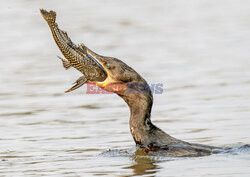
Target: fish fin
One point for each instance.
(65, 62)
(82, 47)
(66, 38)
(78, 83)
(50, 16)
(85, 50)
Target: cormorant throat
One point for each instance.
(140, 104)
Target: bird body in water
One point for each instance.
(125, 82)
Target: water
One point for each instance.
(199, 50)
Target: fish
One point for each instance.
(76, 56)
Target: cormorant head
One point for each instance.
(121, 78)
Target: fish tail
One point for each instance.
(50, 16)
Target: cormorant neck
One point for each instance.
(140, 105)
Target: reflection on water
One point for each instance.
(143, 164)
(199, 50)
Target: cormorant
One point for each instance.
(134, 90)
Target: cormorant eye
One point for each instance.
(107, 66)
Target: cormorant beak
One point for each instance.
(100, 61)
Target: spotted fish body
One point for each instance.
(75, 55)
